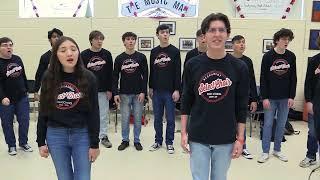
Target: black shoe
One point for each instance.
(123, 145)
(138, 146)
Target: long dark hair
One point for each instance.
(53, 79)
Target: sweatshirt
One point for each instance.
(134, 74)
(215, 95)
(42, 67)
(278, 76)
(253, 95)
(165, 68)
(71, 111)
(101, 64)
(312, 78)
(13, 80)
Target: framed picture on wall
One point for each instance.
(314, 33)
(186, 44)
(172, 26)
(145, 43)
(228, 45)
(315, 17)
(267, 45)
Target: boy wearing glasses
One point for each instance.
(99, 61)
(215, 96)
(13, 96)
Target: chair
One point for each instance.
(32, 99)
(256, 115)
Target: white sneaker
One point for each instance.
(12, 151)
(280, 156)
(263, 158)
(246, 154)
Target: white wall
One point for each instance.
(30, 35)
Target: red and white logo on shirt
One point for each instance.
(280, 67)
(129, 66)
(68, 96)
(214, 86)
(162, 60)
(96, 63)
(13, 70)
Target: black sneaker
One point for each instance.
(138, 146)
(123, 145)
(26, 148)
(105, 141)
(12, 151)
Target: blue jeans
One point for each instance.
(210, 159)
(104, 113)
(69, 149)
(129, 101)
(21, 110)
(163, 100)
(312, 143)
(281, 107)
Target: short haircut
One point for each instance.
(95, 34)
(54, 30)
(215, 17)
(199, 33)
(283, 32)
(129, 34)
(162, 27)
(237, 38)
(5, 40)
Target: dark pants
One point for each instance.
(312, 144)
(163, 100)
(21, 110)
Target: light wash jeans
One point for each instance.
(128, 102)
(281, 107)
(104, 113)
(210, 161)
(69, 149)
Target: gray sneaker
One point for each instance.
(155, 147)
(105, 141)
(306, 162)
